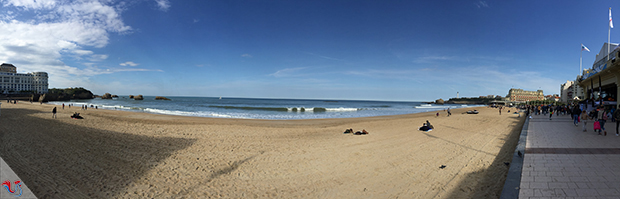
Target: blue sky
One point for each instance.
(364, 50)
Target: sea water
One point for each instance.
(252, 108)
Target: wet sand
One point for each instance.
(118, 154)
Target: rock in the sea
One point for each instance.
(106, 96)
(115, 96)
(161, 98)
(139, 97)
(130, 96)
(439, 101)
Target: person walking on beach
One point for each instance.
(617, 118)
(54, 112)
(449, 112)
(63, 106)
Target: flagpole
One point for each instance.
(608, 33)
(580, 52)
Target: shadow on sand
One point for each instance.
(61, 160)
(488, 183)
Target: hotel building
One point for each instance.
(11, 81)
(520, 95)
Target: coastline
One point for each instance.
(131, 154)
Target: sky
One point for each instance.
(358, 50)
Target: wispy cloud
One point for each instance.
(289, 72)
(482, 4)
(431, 59)
(129, 63)
(246, 55)
(324, 57)
(163, 5)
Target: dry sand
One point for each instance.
(117, 154)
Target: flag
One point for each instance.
(611, 24)
(584, 48)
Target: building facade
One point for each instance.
(12, 82)
(600, 83)
(520, 95)
(567, 91)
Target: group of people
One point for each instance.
(363, 132)
(75, 115)
(600, 116)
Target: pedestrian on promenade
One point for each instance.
(575, 113)
(617, 118)
(54, 112)
(602, 118)
(612, 111)
(550, 113)
(584, 120)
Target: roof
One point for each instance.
(5, 64)
(603, 52)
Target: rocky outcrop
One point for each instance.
(161, 98)
(139, 97)
(66, 94)
(106, 96)
(114, 96)
(130, 96)
(34, 97)
(439, 101)
(84, 95)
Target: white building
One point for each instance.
(11, 81)
(567, 91)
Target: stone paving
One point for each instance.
(7, 175)
(561, 161)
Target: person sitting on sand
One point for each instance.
(348, 131)
(363, 132)
(429, 124)
(426, 126)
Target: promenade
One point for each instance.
(562, 161)
(6, 174)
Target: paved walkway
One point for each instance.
(562, 161)
(6, 174)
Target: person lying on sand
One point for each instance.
(363, 132)
(348, 131)
(76, 116)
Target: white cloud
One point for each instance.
(129, 63)
(31, 4)
(246, 55)
(163, 5)
(59, 29)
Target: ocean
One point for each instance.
(254, 108)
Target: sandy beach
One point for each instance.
(118, 154)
